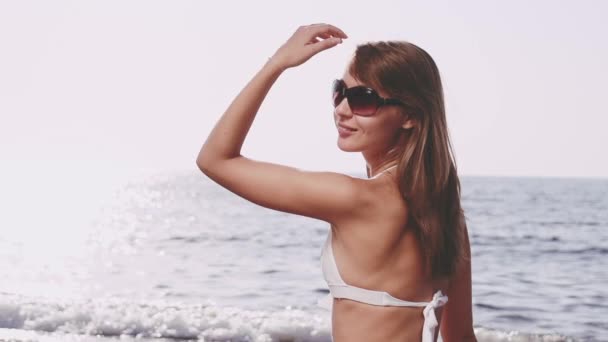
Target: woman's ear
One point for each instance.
(408, 122)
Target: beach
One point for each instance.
(174, 257)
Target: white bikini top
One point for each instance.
(339, 289)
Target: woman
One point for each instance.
(400, 232)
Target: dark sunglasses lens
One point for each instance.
(337, 92)
(363, 101)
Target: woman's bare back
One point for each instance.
(377, 250)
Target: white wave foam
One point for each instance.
(490, 335)
(207, 322)
(162, 320)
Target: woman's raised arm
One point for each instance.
(322, 195)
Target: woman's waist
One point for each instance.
(355, 321)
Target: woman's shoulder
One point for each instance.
(380, 207)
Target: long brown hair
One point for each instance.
(428, 180)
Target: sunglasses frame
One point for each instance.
(351, 93)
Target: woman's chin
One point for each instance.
(346, 147)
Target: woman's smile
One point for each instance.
(344, 130)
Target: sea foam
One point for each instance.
(40, 319)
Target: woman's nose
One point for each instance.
(343, 109)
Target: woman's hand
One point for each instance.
(306, 42)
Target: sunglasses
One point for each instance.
(362, 100)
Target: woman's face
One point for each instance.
(377, 133)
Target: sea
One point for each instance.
(173, 256)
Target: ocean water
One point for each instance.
(177, 257)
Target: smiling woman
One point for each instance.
(398, 245)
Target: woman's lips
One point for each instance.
(344, 131)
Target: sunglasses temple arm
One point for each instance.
(391, 102)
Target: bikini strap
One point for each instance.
(383, 171)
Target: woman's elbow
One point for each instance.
(200, 165)
(206, 158)
(204, 161)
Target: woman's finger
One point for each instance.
(331, 26)
(320, 37)
(314, 40)
(317, 29)
(324, 44)
(331, 29)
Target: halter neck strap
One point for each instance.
(383, 171)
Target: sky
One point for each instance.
(94, 90)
